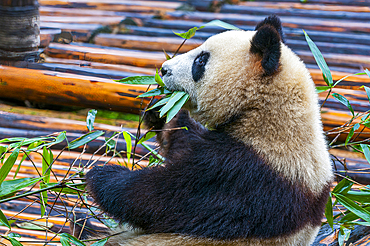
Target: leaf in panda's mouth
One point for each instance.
(172, 101)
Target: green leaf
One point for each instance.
(71, 239)
(100, 242)
(351, 132)
(159, 103)
(329, 212)
(343, 235)
(359, 196)
(138, 80)
(176, 108)
(320, 89)
(189, 34)
(155, 92)
(4, 220)
(353, 207)
(158, 79)
(148, 135)
(14, 241)
(366, 151)
(35, 225)
(47, 160)
(350, 216)
(320, 60)
(128, 141)
(8, 164)
(65, 242)
(343, 186)
(367, 89)
(221, 24)
(90, 119)
(64, 190)
(11, 186)
(343, 101)
(27, 141)
(367, 72)
(176, 96)
(31, 146)
(84, 139)
(340, 80)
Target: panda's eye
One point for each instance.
(198, 67)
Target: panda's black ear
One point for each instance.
(274, 21)
(266, 44)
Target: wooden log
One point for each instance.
(80, 32)
(68, 89)
(146, 43)
(47, 35)
(291, 11)
(106, 55)
(306, 6)
(102, 20)
(97, 65)
(20, 30)
(122, 5)
(293, 22)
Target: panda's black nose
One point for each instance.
(164, 71)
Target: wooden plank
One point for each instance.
(118, 5)
(106, 55)
(293, 22)
(97, 65)
(68, 89)
(102, 20)
(299, 12)
(306, 6)
(145, 42)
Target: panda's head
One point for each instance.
(224, 74)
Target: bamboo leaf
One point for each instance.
(343, 235)
(155, 92)
(189, 34)
(343, 186)
(8, 164)
(71, 239)
(176, 96)
(320, 60)
(343, 101)
(4, 220)
(351, 132)
(158, 79)
(100, 242)
(329, 212)
(320, 89)
(359, 196)
(90, 119)
(366, 151)
(14, 241)
(367, 72)
(128, 141)
(221, 24)
(148, 135)
(159, 103)
(11, 186)
(353, 207)
(84, 139)
(138, 80)
(177, 107)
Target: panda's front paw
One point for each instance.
(104, 183)
(152, 119)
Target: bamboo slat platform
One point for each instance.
(88, 43)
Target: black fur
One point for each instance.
(198, 67)
(274, 21)
(266, 44)
(211, 186)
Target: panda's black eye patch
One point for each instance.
(199, 64)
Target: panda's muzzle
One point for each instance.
(165, 71)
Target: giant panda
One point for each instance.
(252, 167)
